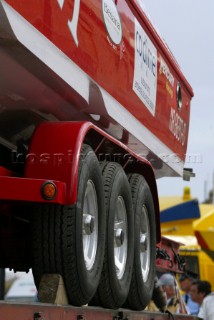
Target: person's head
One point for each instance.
(199, 290)
(186, 280)
(167, 282)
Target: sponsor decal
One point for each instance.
(170, 80)
(177, 126)
(112, 21)
(169, 89)
(145, 69)
(165, 70)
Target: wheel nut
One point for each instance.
(89, 224)
(143, 243)
(119, 237)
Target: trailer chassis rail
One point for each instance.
(42, 311)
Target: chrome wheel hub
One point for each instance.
(120, 237)
(145, 250)
(90, 225)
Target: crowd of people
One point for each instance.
(188, 295)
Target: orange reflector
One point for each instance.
(48, 190)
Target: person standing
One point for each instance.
(185, 283)
(201, 293)
(174, 302)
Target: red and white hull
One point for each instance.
(94, 60)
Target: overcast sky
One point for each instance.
(188, 28)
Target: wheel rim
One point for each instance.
(145, 243)
(120, 237)
(90, 225)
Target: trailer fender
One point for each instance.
(54, 154)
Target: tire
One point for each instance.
(118, 260)
(144, 269)
(70, 240)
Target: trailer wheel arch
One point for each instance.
(57, 145)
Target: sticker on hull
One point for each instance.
(169, 78)
(145, 69)
(112, 21)
(178, 127)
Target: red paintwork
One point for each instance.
(68, 138)
(111, 67)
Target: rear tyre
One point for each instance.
(118, 260)
(70, 240)
(144, 269)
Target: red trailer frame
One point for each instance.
(51, 312)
